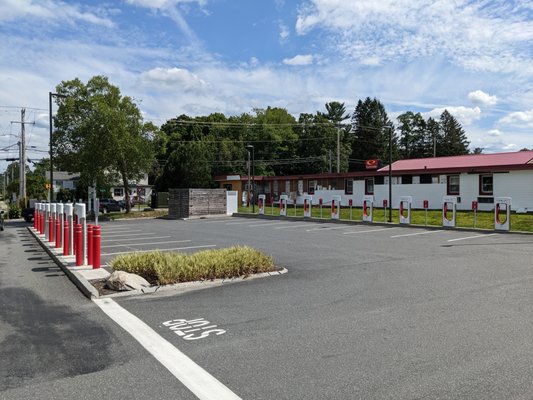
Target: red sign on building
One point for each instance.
(371, 164)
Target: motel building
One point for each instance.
(468, 178)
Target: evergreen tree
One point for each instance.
(371, 128)
(453, 141)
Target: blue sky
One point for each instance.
(196, 57)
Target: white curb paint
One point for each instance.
(204, 385)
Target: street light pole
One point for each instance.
(253, 174)
(50, 95)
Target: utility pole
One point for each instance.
(22, 155)
(338, 150)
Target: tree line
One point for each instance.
(101, 134)
(331, 140)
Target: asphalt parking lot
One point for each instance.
(366, 311)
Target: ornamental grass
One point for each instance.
(162, 268)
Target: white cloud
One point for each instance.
(465, 115)
(524, 118)
(299, 60)
(52, 11)
(494, 133)
(284, 32)
(480, 97)
(479, 36)
(156, 4)
(172, 79)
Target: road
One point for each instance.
(365, 312)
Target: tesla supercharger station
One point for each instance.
(368, 208)
(53, 213)
(308, 202)
(37, 216)
(60, 217)
(261, 203)
(46, 224)
(405, 209)
(283, 204)
(79, 210)
(335, 207)
(449, 208)
(502, 213)
(69, 218)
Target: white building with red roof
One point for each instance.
(474, 177)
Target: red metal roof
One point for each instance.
(470, 162)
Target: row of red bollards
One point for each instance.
(54, 236)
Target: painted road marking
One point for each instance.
(269, 223)
(146, 251)
(239, 223)
(195, 378)
(137, 239)
(295, 226)
(193, 329)
(368, 231)
(150, 243)
(416, 233)
(127, 234)
(332, 228)
(218, 221)
(472, 237)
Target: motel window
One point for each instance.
(118, 192)
(369, 186)
(407, 179)
(379, 180)
(348, 186)
(276, 187)
(426, 178)
(453, 184)
(485, 184)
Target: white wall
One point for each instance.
(516, 184)
(419, 192)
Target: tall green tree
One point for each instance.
(453, 140)
(414, 140)
(101, 134)
(371, 128)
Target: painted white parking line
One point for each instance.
(240, 222)
(146, 251)
(367, 231)
(148, 244)
(416, 233)
(331, 228)
(218, 221)
(269, 224)
(195, 378)
(295, 226)
(127, 234)
(472, 237)
(137, 239)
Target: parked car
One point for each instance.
(109, 205)
(27, 214)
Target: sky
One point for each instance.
(195, 57)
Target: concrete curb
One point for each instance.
(80, 276)
(67, 264)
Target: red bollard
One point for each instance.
(58, 233)
(90, 244)
(79, 244)
(50, 229)
(66, 235)
(96, 247)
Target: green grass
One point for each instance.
(464, 219)
(167, 268)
